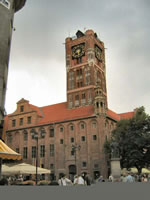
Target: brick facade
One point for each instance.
(84, 122)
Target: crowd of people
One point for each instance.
(84, 179)
(130, 177)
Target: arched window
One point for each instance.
(97, 104)
(94, 124)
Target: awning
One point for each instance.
(22, 168)
(7, 153)
(134, 170)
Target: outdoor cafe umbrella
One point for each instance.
(7, 153)
(134, 170)
(22, 168)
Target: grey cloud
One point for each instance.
(42, 26)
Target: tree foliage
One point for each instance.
(133, 138)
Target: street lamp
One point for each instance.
(74, 149)
(35, 136)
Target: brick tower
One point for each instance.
(86, 75)
(7, 10)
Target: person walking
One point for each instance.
(100, 179)
(123, 178)
(63, 181)
(129, 179)
(111, 178)
(144, 178)
(79, 180)
(87, 179)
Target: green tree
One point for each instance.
(133, 138)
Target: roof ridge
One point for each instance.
(53, 104)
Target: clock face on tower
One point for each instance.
(78, 50)
(98, 53)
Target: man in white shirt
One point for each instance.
(63, 181)
(79, 180)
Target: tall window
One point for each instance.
(61, 129)
(21, 121)
(52, 150)
(42, 132)
(61, 141)
(71, 80)
(79, 84)
(34, 152)
(13, 123)
(98, 78)
(25, 152)
(42, 151)
(51, 166)
(94, 124)
(76, 100)
(72, 153)
(9, 138)
(71, 127)
(51, 134)
(21, 108)
(79, 60)
(72, 140)
(103, 83)
(94, 137)
(29, 120)
(89, 96)
(82, 126)
(87, 76)
(79, 78)
(83, 100)
(25, 135)
(42, 166)
(83, 138)
(83, 164)
(70, 101)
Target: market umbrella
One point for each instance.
(22, 168)
(7, 153)
(134, 170)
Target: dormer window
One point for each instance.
(21, 108)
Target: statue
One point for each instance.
(114, 150)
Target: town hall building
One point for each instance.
(70, 134)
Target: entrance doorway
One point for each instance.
(72, 171)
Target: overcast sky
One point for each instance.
(37, 69)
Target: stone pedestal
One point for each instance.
(115, 168)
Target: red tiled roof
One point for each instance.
(59, 112)
(127, 115)
(36, 109)
(113, 115)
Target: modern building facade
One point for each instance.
(71, 134)
(7, 10)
